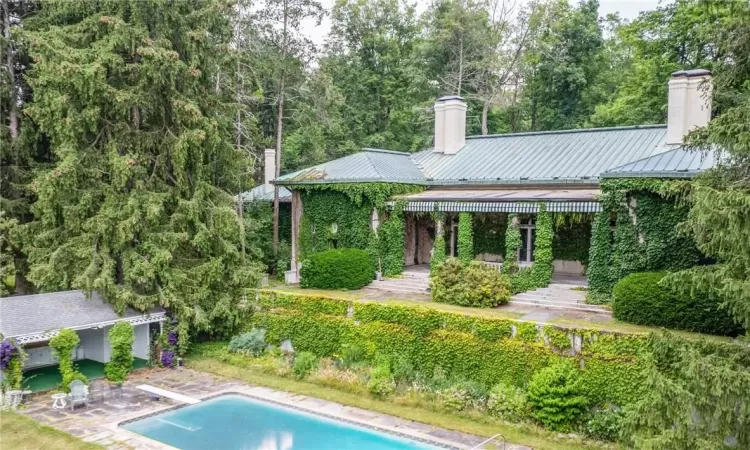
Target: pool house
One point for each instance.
(32, 320)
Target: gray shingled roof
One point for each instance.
(556, 157)
(369, 165)
(32, 314)
(676, 163)
(265, 192)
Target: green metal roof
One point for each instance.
(572, 156)
(369, 165)
(676, 163)
(551, 157)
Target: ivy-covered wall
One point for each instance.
(349, 206)
(572, 237)
(489, 233)
(486, 350)
(646, 213)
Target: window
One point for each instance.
(528, 237)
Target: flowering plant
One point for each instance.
(172, 338)
(167, 358)
(7, 351)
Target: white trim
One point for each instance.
(44, 336)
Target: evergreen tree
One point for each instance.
(720, 214)
(139, 202)
(22, 148)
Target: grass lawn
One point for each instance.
(19, 432)
(523, 434)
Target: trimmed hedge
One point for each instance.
(475, 284)
(640, 299)
(346, 268)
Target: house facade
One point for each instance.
(496, 182)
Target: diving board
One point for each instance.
(167, 394)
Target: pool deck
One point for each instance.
(99, 422)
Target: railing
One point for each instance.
(493, 438)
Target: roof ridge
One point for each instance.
(374, 166)
(575, 130)
(380, 150)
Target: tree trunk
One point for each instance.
(13, 115)
(485, 110)
(279, 125)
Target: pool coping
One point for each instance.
(278, 398)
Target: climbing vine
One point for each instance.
(338, 216)
(121, 337)
(438, 249)
(644, 237)
(465, 238)
(572, 237)
(12, 358)
(540, 272)
(482, 349)
(512, 245)
(489, 233)
(62, 346)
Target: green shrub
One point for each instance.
(403, 369)
(346, 268)
(304, 363)
(556, 395)
(121, 337)
(508, 402)
(464, 394)
(640, 298)
(351, 354)
(62, 346)
(252, 343)
(605, 424)
(474, 285)
(381, 381)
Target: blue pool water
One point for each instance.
(235, 422)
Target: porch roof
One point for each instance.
(39, 317)
(504, 195)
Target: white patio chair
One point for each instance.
(79, 394)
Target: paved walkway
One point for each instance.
(99, 421)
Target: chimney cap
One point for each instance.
(451, 97)
(691, 73)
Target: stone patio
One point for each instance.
(99, 421)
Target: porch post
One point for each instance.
(292, 275)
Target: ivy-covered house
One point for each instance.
(533, 198)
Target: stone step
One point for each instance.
(549, 298)
(416, 275)
(400, 290)
(558, 305)
(400, 287)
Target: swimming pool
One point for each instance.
(237, 422)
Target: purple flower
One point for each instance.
(167, 358)
(172, 338)
(7, 351)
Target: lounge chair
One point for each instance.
(79, 394)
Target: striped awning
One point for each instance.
(502, 207)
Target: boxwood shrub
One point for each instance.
(346, 268)
(475, 284)
(639, 298)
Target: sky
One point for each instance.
(628, 9)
